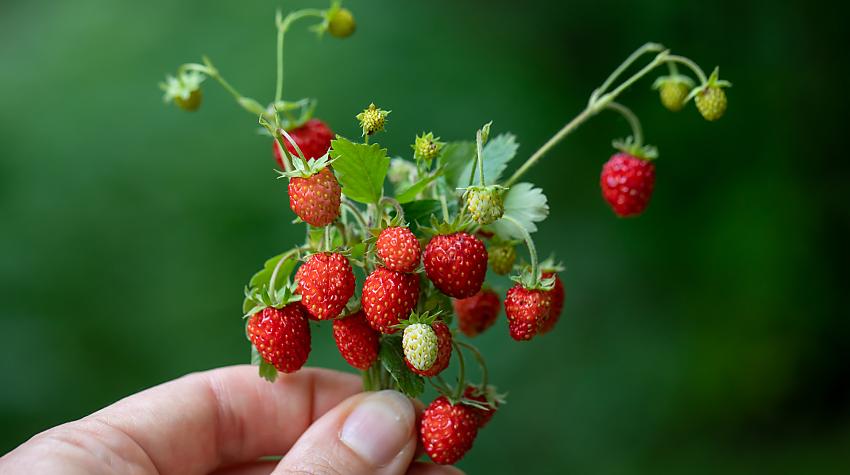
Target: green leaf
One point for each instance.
(527, 205)
(261, 278)
(392, 358)
(406, 194)
(420, 212)
(497, 153)
(266, 370)
(360, 168)
(454, 159)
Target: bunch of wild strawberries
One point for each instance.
(401, 270)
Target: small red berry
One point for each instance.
(313, 138)
(627, 182)
(456, 264)
(356, 340)
(399, 249)
(444, 351)
(477, 313)
(325, 283)
(389, 297)
(484, 415)
(315, 199)
(448, 430)
(527, 311)
(557, 296)
(281, 336)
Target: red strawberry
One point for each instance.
(325, 283)
(389, 297)
(527, 311)
(477, 313)
(315, 199)
(484, 415)
(399, 249)
(448, 430)
(356, 340)
(281, 336)
(444, 350)
(627, 182)
(557, 295)
(456, 264)
(313, 138)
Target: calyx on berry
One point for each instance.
(184, 90)
(265, 296)
(339, 22)
(485, 203)
(673, 90)
(533, 280)
(305, 168)
(629, 146)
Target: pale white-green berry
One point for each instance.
(420, 346)
(485, 203)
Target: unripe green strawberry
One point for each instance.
(420, 346)
(485, 203)
(341, 22)
(427, 147)
(710, 97)
(711, 103)
(674, 90)
(444, 350)
(502, 258)
(372, 119)
(184, 90)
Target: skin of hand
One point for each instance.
(224, 420)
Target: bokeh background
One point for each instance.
(708, 336)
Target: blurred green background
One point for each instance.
(708, 336)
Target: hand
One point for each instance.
(223, 421)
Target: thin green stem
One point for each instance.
(399, 211)
(690, 64)
(327, 238)
(283, 258)
(354, 211)
(532, 251)
(485, 376)
(631, 118)
(674, 70)
(565, 130)
(282, 28)
(479, 145)
(461, 380)
(647, 48)
(445, 207)
(602, 101)
(289, 138)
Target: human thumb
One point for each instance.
(367, 433)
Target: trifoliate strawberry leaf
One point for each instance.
(527, 205)
(392, 358)
(360, 168)
(454, 159)
(497, 153)
(262, 277)
(406, 194)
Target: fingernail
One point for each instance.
(380, 427)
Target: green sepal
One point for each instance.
(426, 318)
(265, 369)
(391, 357)
(551, 265)
(628, 145)
(306, 168)
(713, 81)
(533, 282)
(673, 78)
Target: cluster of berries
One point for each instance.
(392, 277)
